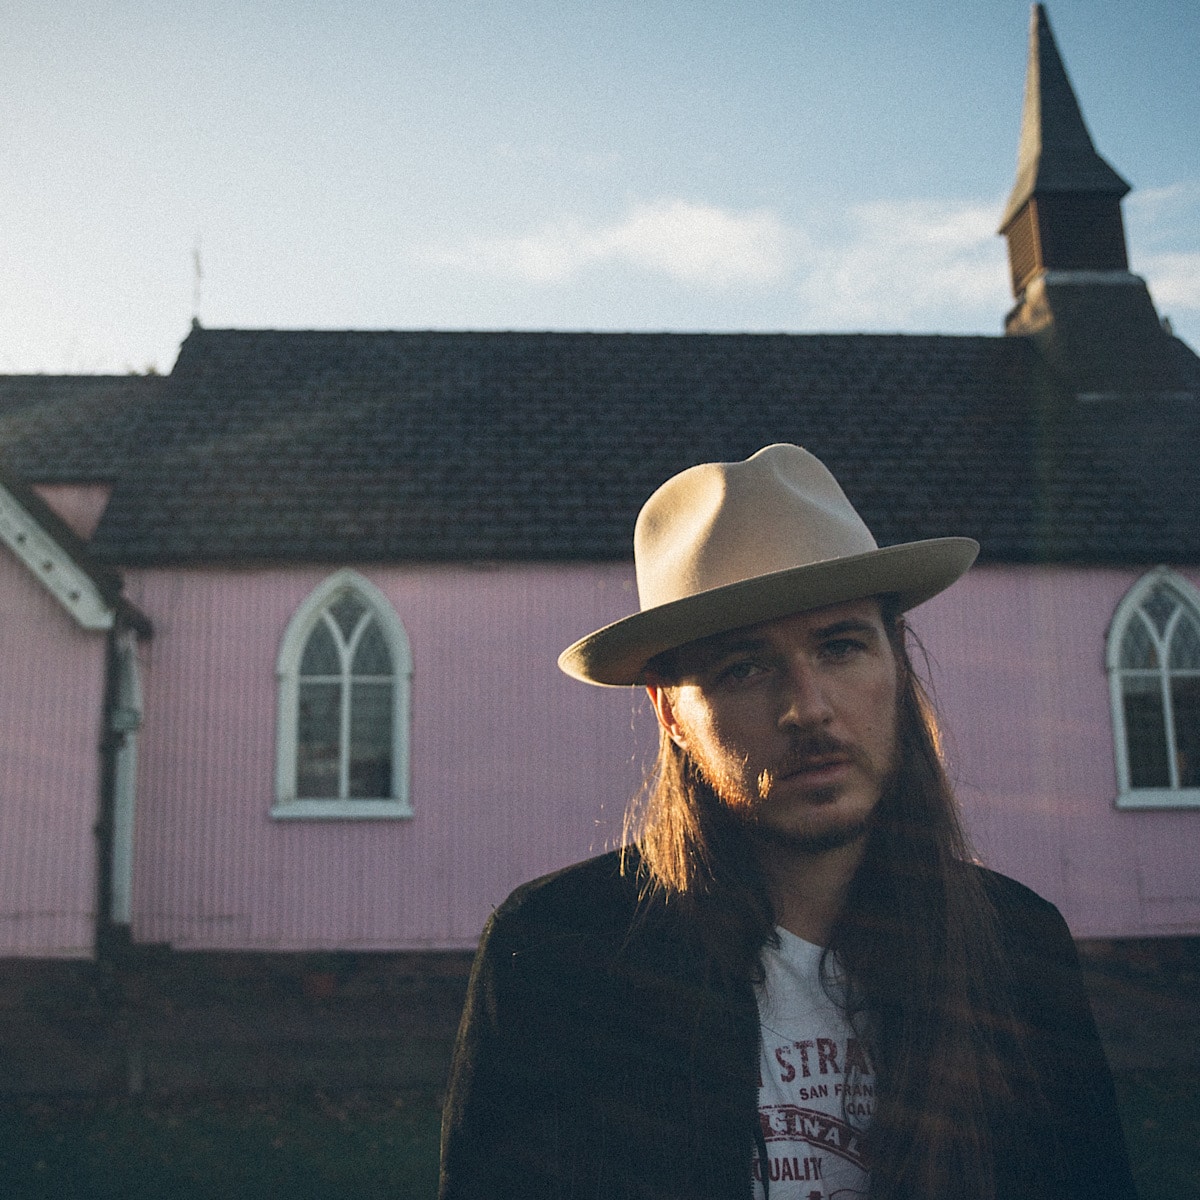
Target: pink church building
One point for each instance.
(279, 629)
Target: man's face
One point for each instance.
(792, 722)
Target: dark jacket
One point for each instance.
(601, 1056)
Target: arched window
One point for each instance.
(1154, 675)
(344, 675)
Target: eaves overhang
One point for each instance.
(90, 593)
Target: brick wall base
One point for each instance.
(152, 1020)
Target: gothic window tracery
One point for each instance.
(344, 675)
(1154, 673)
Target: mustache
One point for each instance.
(812, 746)
(805, 750)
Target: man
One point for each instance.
(794, 983)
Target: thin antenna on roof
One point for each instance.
(197, 281)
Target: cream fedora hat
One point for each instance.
(723, 545)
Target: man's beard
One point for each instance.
(747, 806)
(809, 844)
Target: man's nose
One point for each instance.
(804, 700)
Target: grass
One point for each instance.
(314, 1147)
(367, 1145)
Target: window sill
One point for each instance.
(342, 810)
(1159, 798)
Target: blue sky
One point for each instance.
(742, 165)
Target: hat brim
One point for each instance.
(912, 572)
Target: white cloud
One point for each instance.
(698, 244)
(1158, 212)
(919, 264)
(1162, 235)
(884, 265)
(916, 265)
(1174, 279)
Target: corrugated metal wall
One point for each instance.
(80, 505)
(51, 701)
(1019, 661)
(515, 770)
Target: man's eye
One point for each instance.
(739, 672)
(841, 647)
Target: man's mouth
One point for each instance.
(815, 760)
(817, 769)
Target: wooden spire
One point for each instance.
(1064, 213)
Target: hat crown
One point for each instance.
(721, 523)
(726, 545)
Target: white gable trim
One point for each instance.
(50, 564)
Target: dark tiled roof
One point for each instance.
(58, 428)
(291, 446)
(1056, 153)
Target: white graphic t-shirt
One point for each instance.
(816, 1082)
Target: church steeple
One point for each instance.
(1064, 213)
(1092, 320)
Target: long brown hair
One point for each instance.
(916, 944)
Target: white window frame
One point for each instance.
(1127, 796)
(287, 804)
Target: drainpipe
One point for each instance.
(111, 740)
(122, 718)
